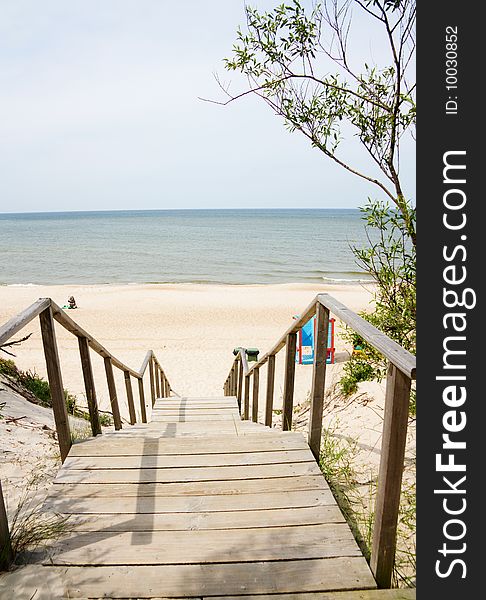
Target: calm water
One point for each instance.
(205, 246)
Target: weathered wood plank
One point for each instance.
(318, 380)
(197, 580)
(212, 445)
(157, 380)
(161, 418)
(55, 381)
(141, 395)
(172, 430)
(174, 413)
(162, 403)
(256, 386)
(270, 390)
(35, 581)
(131, 405)
(196, 488)
(186, 460)
(239, 390)
(59, 502)
(183, 474)
(18, 322)
(170, 404)
(151, 369)
(205, 546)
(249, 519)
(89, 385)
(110, 380)
(401, 594)
(206, 398)
(401, 358)
(389, 488)
(145, 362)
(195, 410)
(246, 408)
(288, 393)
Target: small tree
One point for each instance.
(287, 55)
(391, 259)
(282, 53)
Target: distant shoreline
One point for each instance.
(325, 281)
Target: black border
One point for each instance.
(438, 132)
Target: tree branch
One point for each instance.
(13, 343)
(270, 85)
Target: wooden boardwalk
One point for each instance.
(197, 503)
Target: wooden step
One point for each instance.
(197, 503)
(47, 583)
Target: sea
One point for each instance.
(230, 246)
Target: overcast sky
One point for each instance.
(99, 110)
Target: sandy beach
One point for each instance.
(191, 328)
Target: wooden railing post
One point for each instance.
(256, 385)
(318, 380)
(131, 405)
(288, 393)
(112, 392)
(246, 412)
(141, 394)
(232, 381)
(5, 543)
(167, 387)
(55, 381)
(152, 380)
(235, 378)
(270, 389)
(390, 475)
(239, 392)
(157, 380)
(89, 385)
(164, 384)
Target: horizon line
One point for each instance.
(105, 210)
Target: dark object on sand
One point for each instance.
(252, 354)
(72, 302)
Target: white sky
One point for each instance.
(99, 110)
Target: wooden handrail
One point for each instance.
(401, 358)
(22, 319)
(401, 370)
(47, 310)
(145, 363)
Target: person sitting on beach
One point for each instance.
(72, 302)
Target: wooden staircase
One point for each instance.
(196, 503)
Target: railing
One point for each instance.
(48, 312)
(401, 371)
